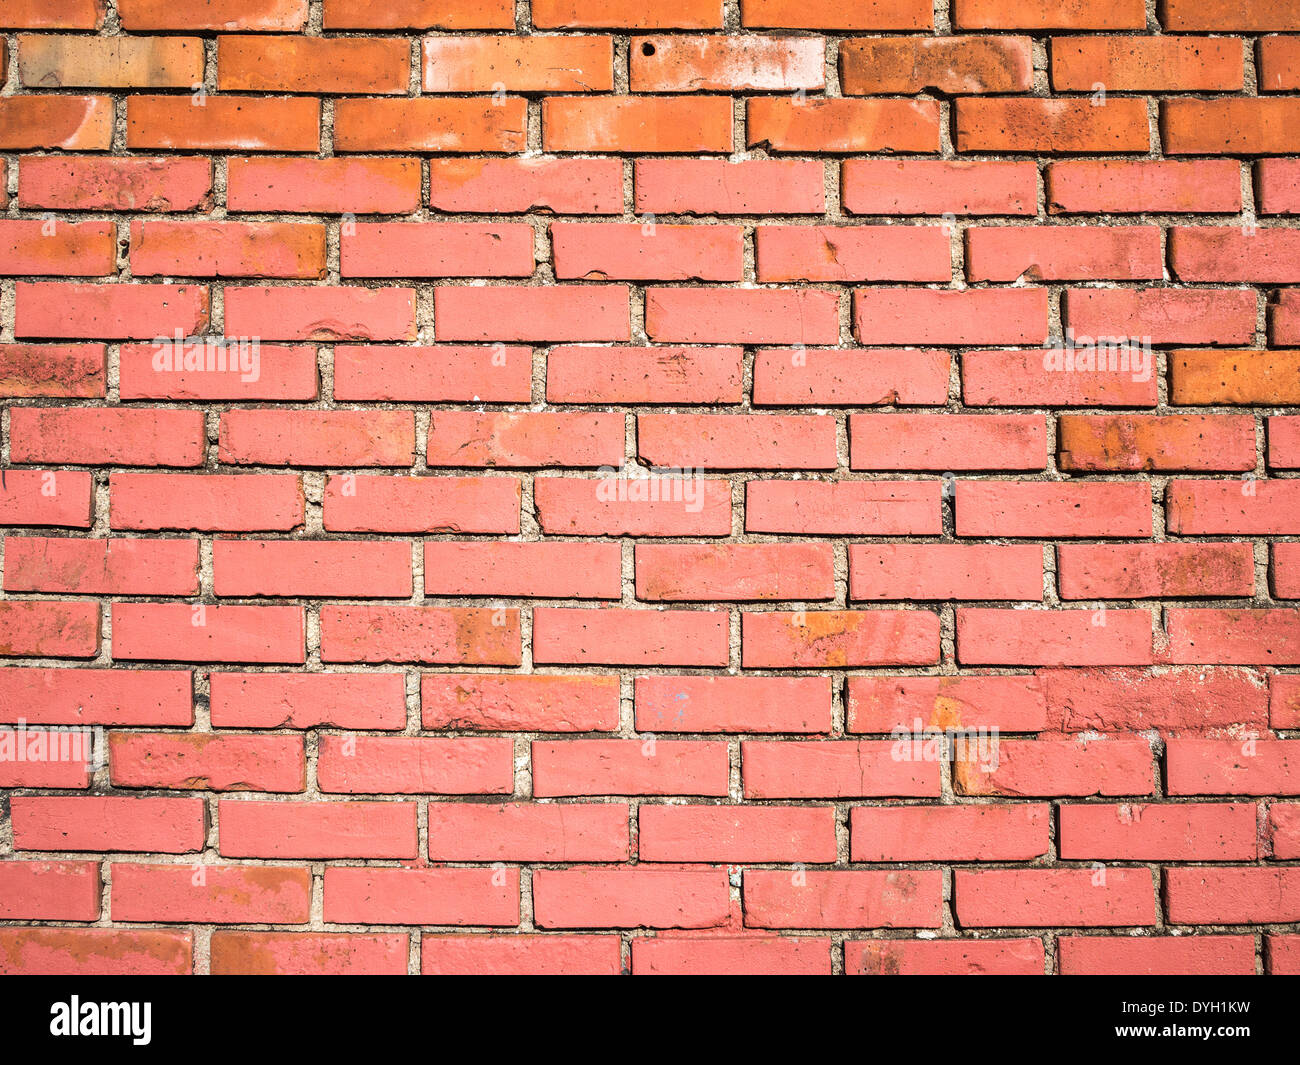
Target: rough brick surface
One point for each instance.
(593, 486)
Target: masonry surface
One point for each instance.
(796, 486)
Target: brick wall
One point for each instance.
(797, 486)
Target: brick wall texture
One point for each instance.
(797, 486)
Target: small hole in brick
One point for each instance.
(647, 49)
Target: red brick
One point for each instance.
(852, 253)
(211, 894)
(125, 312)
(993, 637)
(178, 632)
(422, 504)
(1032, 379)
(1009, 833)
(67, 566)
(56, 371)
(945, 571)
(949, 65)
(1227, 637)
(96, 952)
(323, 186)
(1156, 956)
(49, 628)
(1284, 443)
(1142, 186)
(835, 639)
(1229, 126)
(307, 954)
(72, 123)
(317, 438)
(726, 441)
(733, 704)
(228, 249)
(1283, 837)
(117, 824)
(106, 436)
(1064, 253)
(85, 249)
(436, 249)
(833, 770)
(1188, 832)
(741, 316)
(843, 898)
(947, 442)
(1284, 700)
(307, 700)
(67, 15)
(223, 123)
(1277, 183)
(629, 375)
(521, 955)
(1058, 510)
(637, 124)
(1286, 571)
(420, 15)
(49, 891)
(1214, 253)
(42, 758)
(415, 765)
(320, 313)
(837, 14)
(1238, 16)
(872, 377)
(207, 763)
(737, 833)
(540, 702)
(1153, 571)
(739, 956)
(1154, 64)
(1233, 767)
(519, 186)
(938, 186)
(250, 569)
(1239, 378)
(1132, 442)
(96, 697)
(209, 503)
(525, 831)
(56, 62)
(528, 439)
(718, 186)
(563, 636)
(368, 65)
(945, 316)
(629, 251)
(526, 570)
(526, 313)
(705, 572)
(251, 829)
(843, 125)
(269, 372)
(46, 497)
(1051, 15)
(633, 506)
(518, 64)
(1009, 124)
(1044, 898)
(432, 635)
(1282, 955)
(629, 767)
(284, 16)
(637, 897)
(862, 508)
(1208, 895)
(430, 124)
(888, 704)
(727, 64)
(943, 957)
(372, 895)
(1224, 508)
(445, 374)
